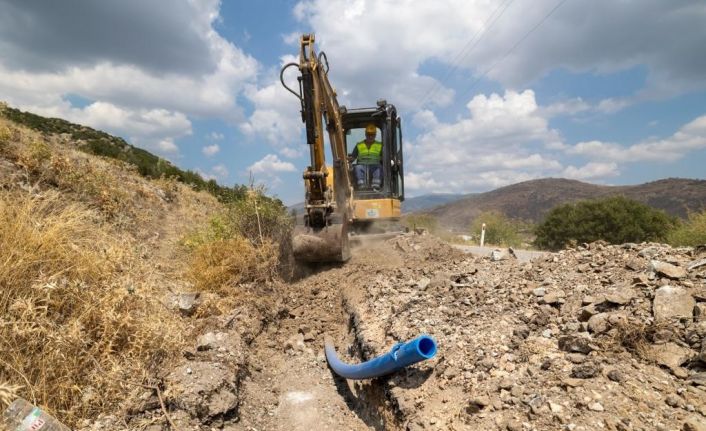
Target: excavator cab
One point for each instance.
(376, 209)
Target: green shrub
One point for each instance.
(690, 233)
(615, 219)
(499, 230)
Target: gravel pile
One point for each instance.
(597, 337)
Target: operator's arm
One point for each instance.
(354, 155)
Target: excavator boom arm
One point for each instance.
(323, 233)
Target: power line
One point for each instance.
(509, 51)
(461, 56)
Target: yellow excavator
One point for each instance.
(339, 205)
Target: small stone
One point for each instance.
(477, 404)
(596, 407)
(634, 264)
(585, 313)
(539, 292)
(423, 283)
(506, 384)
(575, 343)
(599, 323)
(673, 400)
(576, 358)
(586, 300)
(619, 297)
(517, 426)
(188, 302)
(555, 408)
(556, 297)
(616, 376)
(586, 370)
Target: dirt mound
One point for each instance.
(597, 337)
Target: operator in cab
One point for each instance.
(368, 154)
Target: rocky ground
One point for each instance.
(597, 337)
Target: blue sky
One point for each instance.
(491, 92)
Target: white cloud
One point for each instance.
(660, 36)
(293, 152)
(566, 107)
(591, 171)
(690, 137)
(421, 181)
(270, 164)
(220, 171)
(179, 66)
(501, 140)
(167, 146)
(216, 136)
(210, 150)
(276, 117)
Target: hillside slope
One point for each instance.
(531, 200)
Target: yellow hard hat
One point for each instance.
(370, 128)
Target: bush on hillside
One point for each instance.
(499, 230)
(244, 243)
(690, 233)
(615, 219)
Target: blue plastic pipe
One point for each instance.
(402, 355)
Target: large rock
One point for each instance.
(669, 354)
(667, 269)
(204, 389)
(672, 302)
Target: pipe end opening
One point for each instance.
(426, 347)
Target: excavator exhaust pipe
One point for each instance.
(327, 244)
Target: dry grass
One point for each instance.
(220, 265)
(76, 318)
(88, 249)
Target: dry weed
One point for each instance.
(636, 336)
(218, 266)
(8, 393)
(76, 319)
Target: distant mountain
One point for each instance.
(428, 201)
(417, 203)
(531, 200)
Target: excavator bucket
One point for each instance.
(328, 244)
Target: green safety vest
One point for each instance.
(369, 156)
